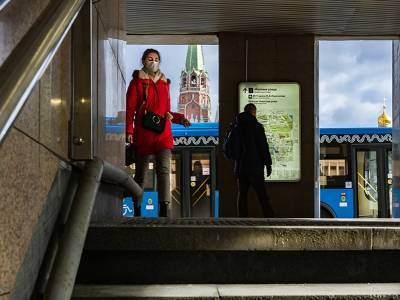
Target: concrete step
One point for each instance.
(245, 234)
(238, 291)
(245, 251)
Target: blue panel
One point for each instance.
(396, 202)
(212, 129)
(216, 204)
(117, 128)
(341, 201)
(150, 204)
(371, 130)
(127, 208)
(149, 207)
(196, 129)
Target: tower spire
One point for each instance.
(194, 99)
(194, 58)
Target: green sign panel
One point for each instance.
(278, 110)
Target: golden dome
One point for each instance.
(383, 119)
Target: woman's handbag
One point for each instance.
(151, 120)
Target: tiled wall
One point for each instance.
(36, 148)
(276, 59)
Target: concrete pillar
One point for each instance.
(271, 58)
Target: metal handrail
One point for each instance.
(3, 3)
(367, 182)
(28, 61)
(65, 269)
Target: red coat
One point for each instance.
(159, 102)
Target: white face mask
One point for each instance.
(152, 66)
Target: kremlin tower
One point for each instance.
(194, 100)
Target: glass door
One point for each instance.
(193, 181)
(200, 184)
(373, 178)
(388, 182)
(367, 183)
(176, 185)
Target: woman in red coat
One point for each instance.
(148, 91)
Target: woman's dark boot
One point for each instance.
(165, 210)
(136, 211)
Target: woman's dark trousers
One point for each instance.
(163, 168)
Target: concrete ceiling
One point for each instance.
(320, 17)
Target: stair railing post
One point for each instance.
(62, 279)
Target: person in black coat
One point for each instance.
(249, 169)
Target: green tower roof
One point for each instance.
(194, 58)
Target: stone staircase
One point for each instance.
(241, 259)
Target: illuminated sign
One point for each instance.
(278, 110)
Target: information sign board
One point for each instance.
(278, 110)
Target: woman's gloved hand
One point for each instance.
(185, 122)
(169, 116)
(129, 138)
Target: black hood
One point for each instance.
(246, 118)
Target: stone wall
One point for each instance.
(30, 159)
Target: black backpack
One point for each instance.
(232, 147)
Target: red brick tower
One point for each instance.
(194, 100)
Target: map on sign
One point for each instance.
(278, 110)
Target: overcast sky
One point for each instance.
(354, 77)
(173, 59)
